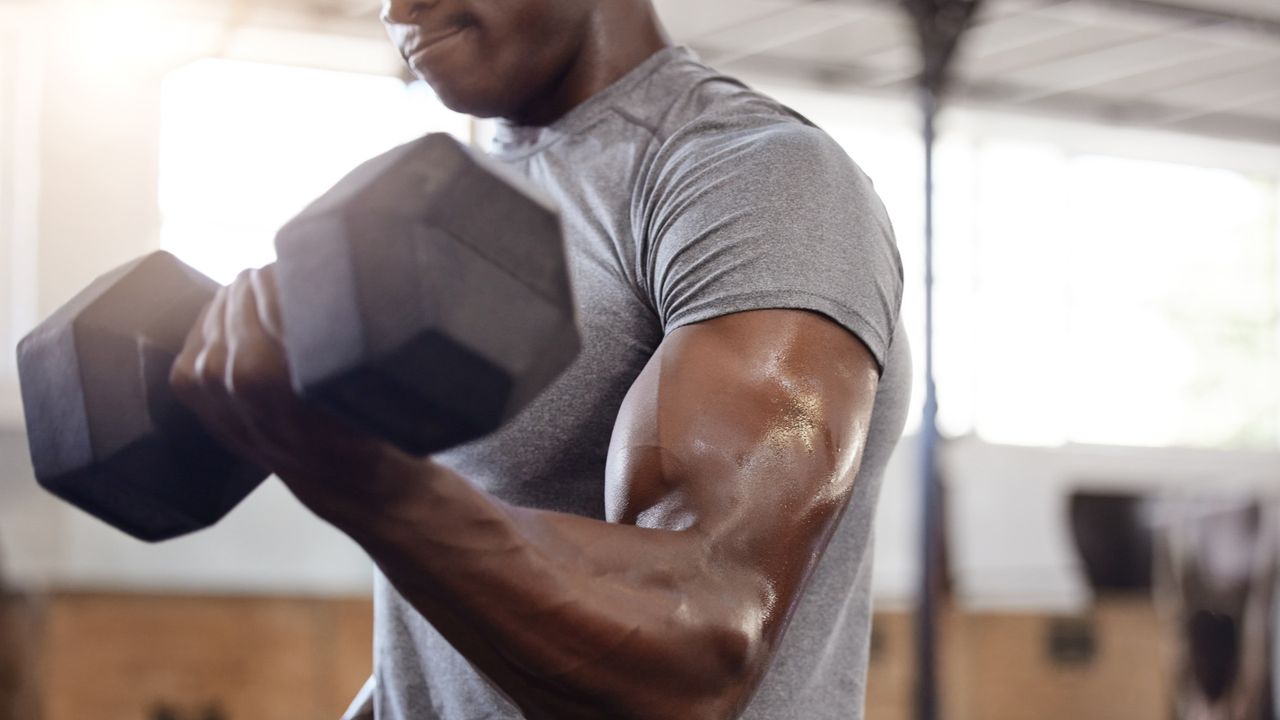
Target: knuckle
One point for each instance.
(210, 369)
(246, 379)
(182, 379)
(242, 384)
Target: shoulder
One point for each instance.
(740, 133)
(754, 133)
(702, 123)
(755, 156)
(706, 110)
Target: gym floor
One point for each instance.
(1107, 331)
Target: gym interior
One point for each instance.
(1082, 518)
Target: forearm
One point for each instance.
(570, 617)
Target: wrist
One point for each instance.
(366, 497)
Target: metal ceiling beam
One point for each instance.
(1032, 39)
(1269, 27)
(783, 40)
(1127, 71)
(1072, 100)
(1078, 106)
(1183, 116)
(857, 10)
(1266, 26)
(1081, 12)
(1220, 123)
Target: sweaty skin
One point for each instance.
(732, 458)
(726, 476)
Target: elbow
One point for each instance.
(708, 673)
(739, 654)
(729, 650)
(725, 668)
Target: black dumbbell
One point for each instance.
(425, 299)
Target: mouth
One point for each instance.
(427, 46)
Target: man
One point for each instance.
(638, 541)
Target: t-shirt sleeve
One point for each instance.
(774, 215)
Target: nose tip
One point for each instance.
(405, 12)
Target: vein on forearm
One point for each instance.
(576, 606)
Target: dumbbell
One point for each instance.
(425, 299)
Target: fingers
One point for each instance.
(182, 376)
(210, 362)
(264, 290)
(233, 373)
(197, 371)
(230, 362)
(252, 365)
(195, 378)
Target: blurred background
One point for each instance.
(1107, 339)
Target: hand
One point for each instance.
(233, 373)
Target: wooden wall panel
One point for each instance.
(119, 657)
(1005, 668)
(123, 658)
(998, 666)
(351, 654)
(890, 675)
(20, 622)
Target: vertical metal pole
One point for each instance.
(930, 489)
(939, 25)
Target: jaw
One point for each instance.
(534, 70)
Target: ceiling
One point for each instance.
(1208, 67)
(1201, 66)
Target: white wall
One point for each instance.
(20, 80)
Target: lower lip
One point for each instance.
(436, 46)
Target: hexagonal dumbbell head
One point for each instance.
(106, 434)
(426, 298)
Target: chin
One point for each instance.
(467, 100)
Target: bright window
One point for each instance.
(1083, 297)
(245, 146)
(1173, 304)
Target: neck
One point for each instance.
(619, 36)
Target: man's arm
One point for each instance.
(732, 459)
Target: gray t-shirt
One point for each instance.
(685, 196)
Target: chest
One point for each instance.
(553, 454)
(594, 183)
